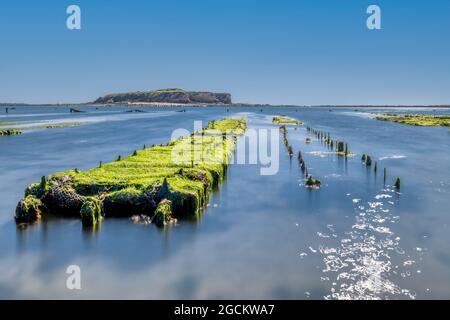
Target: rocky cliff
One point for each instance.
(166, 96)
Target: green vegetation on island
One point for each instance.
(286, 120)
(163, 182)
(171, 96)
(415, 119)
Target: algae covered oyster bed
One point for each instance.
(9, 132)
(416, 119)
(163, 182)
(286, 120)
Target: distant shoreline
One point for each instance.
(233, 105)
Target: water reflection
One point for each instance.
(361, 266)
(260, 236)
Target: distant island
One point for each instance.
(166, 96)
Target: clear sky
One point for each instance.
(307, 52)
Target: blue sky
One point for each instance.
(307, 52)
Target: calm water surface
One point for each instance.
(260, 236)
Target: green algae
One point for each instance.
(7, 124)
(10, 132)
(91, 212)
(312, 183)
(163, 213)
(28, 210)
(61, 125)
(286, 120)
(33, 126)
(184, 172)
(415, 119)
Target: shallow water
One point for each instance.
(260, 236)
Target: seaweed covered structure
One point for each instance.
(415, 119)
(162, 182)
(10, 132)
(286, 120)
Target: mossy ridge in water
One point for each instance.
(6, 124)
(415, 119)
(10, 132)
(184, 172)
(286, 120)
(61, 125)
(34, 126)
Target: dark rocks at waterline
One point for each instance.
(91, 213)
(290, 151)
(60, 198)
(366, 159)
(340, 146)
(135, 111)
(286, 141)
(303, 166)
(301, 162)
(397, 184)
(28, 210)
(163, 213)
(312, 183)
(72, 110)
(325, 137)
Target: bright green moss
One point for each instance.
(28, 210)
(175, 90)
(62, 125)
(190, 168)
(10, 132)
(7, 124)
(34, 126)
(91, 213)
(163, 213)
(286, 120)
(415, 119)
